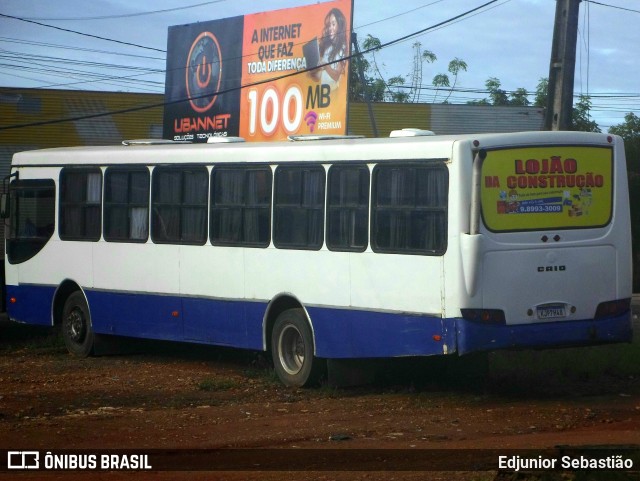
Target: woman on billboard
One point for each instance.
(333, 49)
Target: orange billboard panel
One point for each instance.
(295, 71)
(289, 79)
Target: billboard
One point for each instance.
(536, 188)
(263, 76)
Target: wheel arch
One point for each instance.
(277, 306)
(64, 290)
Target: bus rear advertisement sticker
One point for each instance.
(547, 187)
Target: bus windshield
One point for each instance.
(551, 187)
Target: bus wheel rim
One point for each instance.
(76, 325)
(291, 350)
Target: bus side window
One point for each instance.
(241, 206)
(179, 205)
(80, 204)
(409, 208)
(348, 208)
(126, 204)
(32, 218)
(299, 207)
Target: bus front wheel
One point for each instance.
(76, 326)
(292, 350)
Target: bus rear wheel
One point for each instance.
(292, 350)
(76, 326)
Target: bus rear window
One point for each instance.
(551, 187)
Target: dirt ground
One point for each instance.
(168, 396)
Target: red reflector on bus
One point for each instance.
(612, 308)
(13, 300)
(437, 338)
(490, 316)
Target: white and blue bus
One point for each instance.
(344, 248)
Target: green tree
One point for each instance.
(581, 114)
(374, 87)
(542, 90)
(629, 130)
(397, 95)
(394, 89)
(479, 102)
(581, 117)
(497, 95)
(442, 80)
(519, 96)
(357, 89)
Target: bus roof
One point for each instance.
(419, 147)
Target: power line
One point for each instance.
(260, 82)
(76, 48)
(470, 16)
(81, 33)
(125, 15)
(96, 77)
(399, 14)
(440, 25)
(612, 6)
(7, 54)
(56, 61)
(464, 16)
(56, 66)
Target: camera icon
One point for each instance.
(23, 460)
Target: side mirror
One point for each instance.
(4, 206)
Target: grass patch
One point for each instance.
(215, 385)
(596, 364)
(264, 374)
(15, 337)
(594, 369)
(615, 359)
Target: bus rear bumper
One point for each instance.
(475, 336)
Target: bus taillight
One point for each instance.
(612, 308)
(491, 316)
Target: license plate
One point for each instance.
(554, 311)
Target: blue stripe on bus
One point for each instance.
(201, 320)
(339, 333)
(344, 333)
(32, 304)
(474, 336)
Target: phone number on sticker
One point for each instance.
(527, 209)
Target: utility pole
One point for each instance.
(562, 66)
(363, 81)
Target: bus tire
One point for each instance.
(76, 326)
(292, 350)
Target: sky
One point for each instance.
(509, 40)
